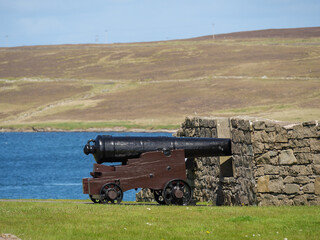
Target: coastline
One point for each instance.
(114, 129)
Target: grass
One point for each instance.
(64, 220)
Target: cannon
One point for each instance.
(157, 163)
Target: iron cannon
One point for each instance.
(158, 163)
(119, 149)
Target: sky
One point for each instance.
(46, 22)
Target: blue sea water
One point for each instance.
(49, 165)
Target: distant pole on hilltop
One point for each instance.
(97, 38)
(106, 31)
(212, 31)
(7, 40)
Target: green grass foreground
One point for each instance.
(76, 220)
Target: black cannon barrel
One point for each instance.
(106, 148)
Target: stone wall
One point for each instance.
(272, 163)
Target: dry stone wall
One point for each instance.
(272, 163)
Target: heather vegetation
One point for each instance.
(155, 85)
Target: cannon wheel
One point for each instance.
(158, 197)
(94, 200)
(177, 192)
(111, 193)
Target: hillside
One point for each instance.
(157, 84)
(311, 32)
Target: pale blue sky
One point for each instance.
(41, 22)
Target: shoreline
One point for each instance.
(115, 129)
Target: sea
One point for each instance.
(49, 165)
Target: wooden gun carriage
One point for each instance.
(157, 163)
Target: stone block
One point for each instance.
(302, 180)
(299, 143)
(258, 147)
(237, 135)
(205, 132)
(281, 138)
(180, 133)
(286, 157)
(304, 158)
(259, 125)
(315, 144)
(259, 172)
(300, 200)
(300, 170)
(212, 123)
(317, 186)
(234, 122)
(308, 188)
(271, 170)
(270, 127)
(244, 125)
(281, 135)
(203, 122)
(263, 184)
(264, 159)
(297, 132)
(284, 170)
(187, 122)
(291, 188)
(268, 137)
(310, 123)
(288, 179)
(301, 150)
(316, 169)
(247, 138)
(316, 158)
(189, 132)
(195, 122)
(276, 186)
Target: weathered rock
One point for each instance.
(244, 124)
(259, 125)
(237, 135)
(300, 200)
(316, 169)
(291, 188)
(145, 195)
(302, 180)
(258, 147)
(304, 158)
(300, 170)
(263, 184)
(317, 186)
(288, 179)
(286, 157)
(316, 158)
(315, 144)
(310, 123)
(264, 159)
(271, 170)
(299, 143)
(276, 186)
(309, 188)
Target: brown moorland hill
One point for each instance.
(159, 83)
(310, 32)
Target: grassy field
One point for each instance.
(75, 220)
(159, 83)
